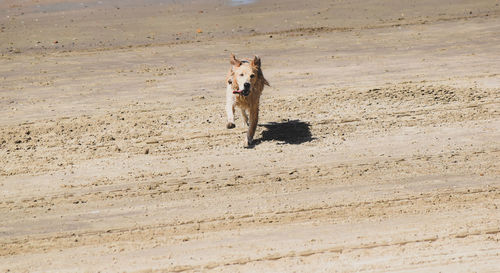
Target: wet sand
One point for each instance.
(377, 147)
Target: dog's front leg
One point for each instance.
(230, 103)
(254, 119)
(245, 116)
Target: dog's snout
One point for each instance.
(247, 85)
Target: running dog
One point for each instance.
(245, 83)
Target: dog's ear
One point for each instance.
(234, 82)
(256, 62)
(234, 61)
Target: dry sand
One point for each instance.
(378, 146)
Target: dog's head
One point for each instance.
(245, 74)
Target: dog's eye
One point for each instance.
(251, 76)
(241, 75)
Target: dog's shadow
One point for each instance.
(287, 132)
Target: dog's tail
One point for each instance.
(261, 76)
(266, 82)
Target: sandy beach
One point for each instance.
(378, 145)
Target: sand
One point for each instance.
(378, 145)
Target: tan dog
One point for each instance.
(245, 83)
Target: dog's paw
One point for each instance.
(248, 144)
(230, 125)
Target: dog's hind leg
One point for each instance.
(254, 119)
(245, 116)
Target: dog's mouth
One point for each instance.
(244, 92)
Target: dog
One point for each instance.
(245, 83)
